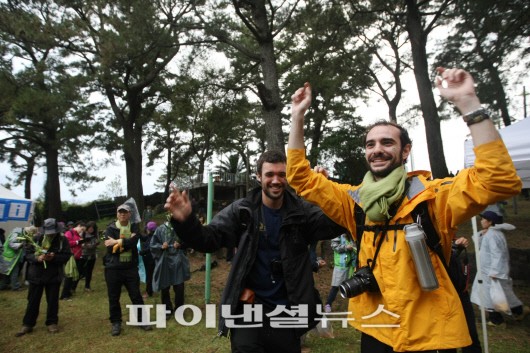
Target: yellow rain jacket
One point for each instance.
(402, 315)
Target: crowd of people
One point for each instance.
(273, 230)
(64, 254)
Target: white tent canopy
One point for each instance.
(516, 137)
(15, 211)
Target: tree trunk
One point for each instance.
(202, 163)
(318, 119)
(418, 40)
(53, 186)
(30, 168)
(132, 151)
(169, 164)
(392, 110)
(500, 94)
(269, 91)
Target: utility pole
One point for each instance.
(524, 102)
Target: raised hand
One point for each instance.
(178, 205)
(458, 87)
(301, 100)
(321, 170)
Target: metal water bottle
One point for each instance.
(415, 237)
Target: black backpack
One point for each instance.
(459, 269)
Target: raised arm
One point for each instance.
(301, 100)
(493, 176)
(458, 87)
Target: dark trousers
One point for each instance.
(371, 345)
(69, 284)
(87, 268)
(471, 324)
(34, 297)
(68, 287)
(179, 297)
(116, 278)
(149, 265)
(264, 339)
(332, 295)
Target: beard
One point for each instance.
(382, 173)
(385, 172)
(272, 196)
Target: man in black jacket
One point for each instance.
(121, 266)
(271, 229)
(46, 259)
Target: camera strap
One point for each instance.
(382, 233)
(360, 219)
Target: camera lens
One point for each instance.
(351, 288)
(362, 281)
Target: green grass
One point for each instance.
(84, 324)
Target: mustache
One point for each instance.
(380, 155)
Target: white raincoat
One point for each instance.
(494, 262)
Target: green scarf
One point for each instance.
(378, 196)
(125, 233)
(47, 241)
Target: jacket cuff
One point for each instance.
(184, 229)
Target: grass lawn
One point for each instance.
(84, 325)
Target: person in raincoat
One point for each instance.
(345, 256)
(495, 266)
(13, 256)
(172, 267)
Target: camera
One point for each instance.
(276, 268)
(362, 281)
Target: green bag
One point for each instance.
(70, 269)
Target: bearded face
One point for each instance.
(383, 150)
(273, 183)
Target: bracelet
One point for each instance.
(476, 116)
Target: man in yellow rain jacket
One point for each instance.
(400, 316)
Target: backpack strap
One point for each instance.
(360, 218)
(377, 229)
(421, 211)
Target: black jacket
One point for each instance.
(237, 226)
(112, 260)
(54, 271)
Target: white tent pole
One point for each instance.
(480, 286)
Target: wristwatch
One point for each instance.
(476, 116)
